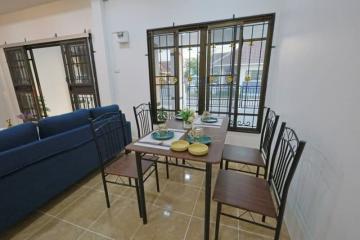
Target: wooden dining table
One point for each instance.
(217, 134)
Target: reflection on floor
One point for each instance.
(174, 213)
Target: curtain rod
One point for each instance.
(46, 40)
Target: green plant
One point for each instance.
(191, 68)
(187, 115)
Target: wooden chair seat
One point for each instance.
(245, 155)
(245, 192)
(125, 165)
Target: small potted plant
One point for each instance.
(188, 117)
(26, 116)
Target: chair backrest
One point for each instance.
(286, 156)
(108, 135)
(267, 133)
(143, 117)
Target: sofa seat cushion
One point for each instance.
(18, 135)
(18, 158)
(54, 125)
(97, 112)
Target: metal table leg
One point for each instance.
(141, 187)
(207, 200)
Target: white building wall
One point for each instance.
(315, 88)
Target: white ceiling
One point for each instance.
(7, 6)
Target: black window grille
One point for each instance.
(23, 82)
(219, 66)
(80, 75)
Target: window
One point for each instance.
(80, 75)
(218, 66)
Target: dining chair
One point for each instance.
(144, 123)
(108, 133)
(258, 157)
(257, 195)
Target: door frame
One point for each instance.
(54, 42)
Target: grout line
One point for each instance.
(117, 197)
(78, 226)
(102, 213)
(193, 211)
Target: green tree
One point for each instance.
(191, 65)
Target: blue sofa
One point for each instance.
(39, 161)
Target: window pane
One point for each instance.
(252, 62)
(164, 62)
(189, 58)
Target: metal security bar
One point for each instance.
(23, 82)
(189, 63)
(219, 66)
(223, 43)
(165, 74)
(80, 74)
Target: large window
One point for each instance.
(218, 66)
(80, 72)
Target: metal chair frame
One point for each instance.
(286, 155)
(115, 118)
(266, 139)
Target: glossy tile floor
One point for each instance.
(174, 213)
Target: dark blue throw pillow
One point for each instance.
(19, 135)
(54, 125)
(96, 112)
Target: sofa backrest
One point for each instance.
(18, 135)
(97, 112)
(57, 124)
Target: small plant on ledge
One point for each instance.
(26, 116)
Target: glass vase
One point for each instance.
(187, 125)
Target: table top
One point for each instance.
(217, 135)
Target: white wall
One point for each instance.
(129, 65)
(52, 77)
(315, 88)
(63, 17)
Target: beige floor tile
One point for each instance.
(150, 190)
(120, 221)
(196, 231)
(92, 181)
(200, 207)
(92, 236)
(56, 229)
(250, 236)
(84, 205)
(186, 176)
(163, 225)
(178, 197)
(113, 188)
(252, 227)
(26, 228)
(55, 206)
(86, 209)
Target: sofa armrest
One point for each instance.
(128, 135)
